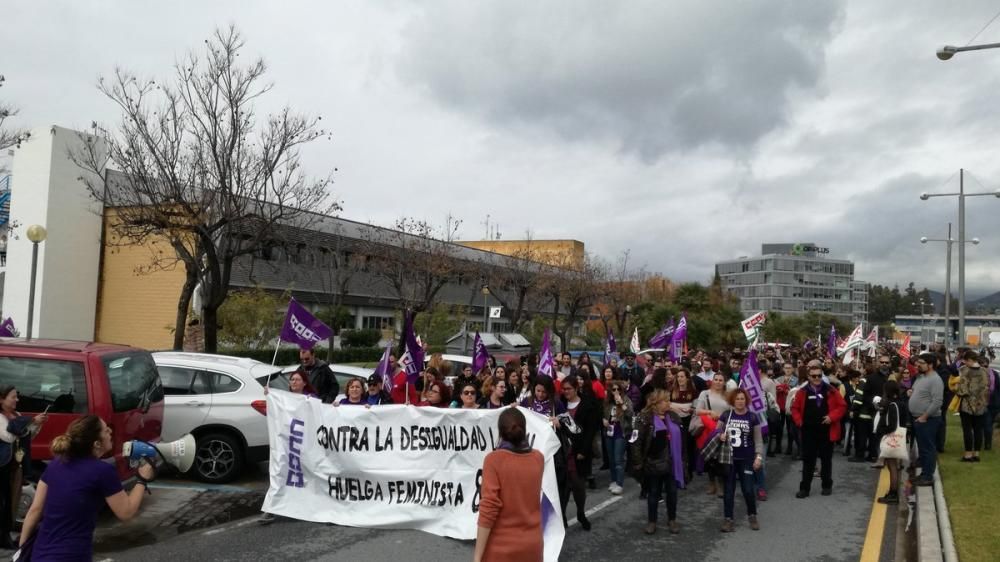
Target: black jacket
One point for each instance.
(641, 461)
(588, 419)
(323, 380)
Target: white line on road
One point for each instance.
(597, 508)
(231, 527)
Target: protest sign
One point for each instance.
(393, 467)
(752, 325)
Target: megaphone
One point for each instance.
(179, 454)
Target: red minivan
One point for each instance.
(118, 383)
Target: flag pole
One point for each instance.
(275, 358)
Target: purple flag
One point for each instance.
(546, 365)
(610, 347)
(678, 338)
(480, 356)
(384, 368)
(808, 345)
(413, 355)
(662, 338)
(7, 328)
(302, 328)
(750, 382)
(831, 344)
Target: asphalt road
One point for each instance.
(817, 528)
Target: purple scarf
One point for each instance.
(667, 424)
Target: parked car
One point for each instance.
(218, 400)
(71, 378)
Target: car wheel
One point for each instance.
(219, 458)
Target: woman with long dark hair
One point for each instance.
(894, 414)
(510, 513)
(617, 428)
(586, 414)
(72, 491)
(17, 431)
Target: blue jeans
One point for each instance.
(742, 471)
(615, 446)
(926, 434)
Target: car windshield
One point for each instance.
(133, 379)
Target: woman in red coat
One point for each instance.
(817, 410)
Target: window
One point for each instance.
(377, 322)
(223, 383)
(176, 380)
(133, 379)
(59, 385)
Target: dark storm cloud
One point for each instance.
(651, 76)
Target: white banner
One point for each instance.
(393, 467)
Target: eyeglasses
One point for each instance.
(812, 376)
(434, 390)
(883, 362)
(468, 393)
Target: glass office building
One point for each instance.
(793, 279)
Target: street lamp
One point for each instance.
(948, 51)
(961, 242)
(486, 311)
(36, 234)
(947, 281)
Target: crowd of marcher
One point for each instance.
(667, 424)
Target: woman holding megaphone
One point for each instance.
(72, 491)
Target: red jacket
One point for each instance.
(836, 408)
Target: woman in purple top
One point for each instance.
(741, 428)
(74, 488)
(541, 401)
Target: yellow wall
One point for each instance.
(133, 307)
(562, 253)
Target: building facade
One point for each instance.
(980, 330)
(793, 279)
(90, 290)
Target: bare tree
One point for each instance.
(574, 290)
(624, 288)
(199, 167)
(415, 260)
(9, 137)
(514, 280)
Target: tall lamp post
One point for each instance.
(947, 281)
(961, 243)
(486, 310)
(36, 234)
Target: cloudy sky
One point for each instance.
(686, 131)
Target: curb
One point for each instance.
(944, 520)
(935, 541)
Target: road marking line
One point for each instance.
(231, 527)
(876, 524)
(597, 508)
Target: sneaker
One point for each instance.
(889, 499)
(967, 459)
(826, 492)
(802, 494)
(611, 487)
(674, 527)
(650, 528)
(617, 490)
(727, 526)
(754, 525)
(762, 495)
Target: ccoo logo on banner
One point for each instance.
(399, 467)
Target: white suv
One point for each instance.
(218, 400)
